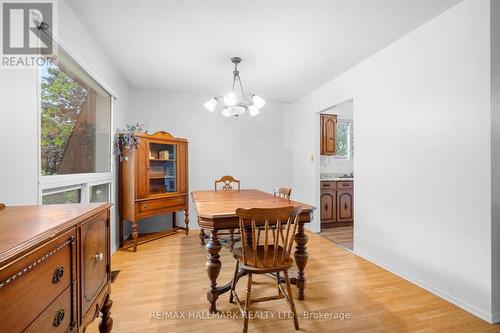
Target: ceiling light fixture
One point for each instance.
(235, 103)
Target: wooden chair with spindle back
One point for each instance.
(227, 182)
(283, 192)
(280, 192)
(271, 257)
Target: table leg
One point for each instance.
(213, 269)
(301, 257)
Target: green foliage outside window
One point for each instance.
(345, 139)
(62, 100)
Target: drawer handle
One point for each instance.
(145, 206)
(326, 185)
(99, 256)
(58, 274)
(58, 319)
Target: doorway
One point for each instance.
(337, 174)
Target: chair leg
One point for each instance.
(278, 282)
(231, 239)
(233, 283)
(247, 303)
(202, 236)
(290, 297)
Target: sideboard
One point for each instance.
(54, 268)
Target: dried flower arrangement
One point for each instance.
(126, 139)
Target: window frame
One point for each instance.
(350, 130)
(85, 180)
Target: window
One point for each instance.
(345, 139)
(75, 134)
(99, 193)
(75, 120)
(62, 195)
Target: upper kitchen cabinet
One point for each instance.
(328, 134)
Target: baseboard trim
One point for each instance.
(492, 319)
(495, 318)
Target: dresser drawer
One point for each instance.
(344, 184)
(159, 204)
(328, 185)
(29, 284)
(56, 318)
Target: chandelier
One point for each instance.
(235, 103)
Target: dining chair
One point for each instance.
(280, 192)
(272, 256)
(227, 182)
(283, 192)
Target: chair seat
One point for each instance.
(263, 263)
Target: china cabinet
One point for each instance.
(153, 181)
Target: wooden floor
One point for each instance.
(342, 236)
(169, 275)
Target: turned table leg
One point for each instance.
(186, 220)
(301, 257)
(213, 269)
(106, 322)
(202, 236)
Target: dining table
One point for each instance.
(216, 211)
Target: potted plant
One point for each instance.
(126, 139)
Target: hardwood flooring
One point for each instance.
(342, 236)
(169, 275)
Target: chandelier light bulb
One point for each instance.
(258, 101)
(211, 104)
(230, 99)
(253, 110)
(225, 112)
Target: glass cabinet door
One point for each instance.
(162, 168)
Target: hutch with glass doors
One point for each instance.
(153, 181)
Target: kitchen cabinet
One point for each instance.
(328, 209)
(337, 206)
(328, 140)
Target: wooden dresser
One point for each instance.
(54, 268)
(153, 181)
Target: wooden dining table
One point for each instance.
(216, 211)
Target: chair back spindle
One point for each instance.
(283, 192)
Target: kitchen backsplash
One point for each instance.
(329, 164)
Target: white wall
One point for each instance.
(422, 163)
(249, 148)
(19, 110)
(495, 155)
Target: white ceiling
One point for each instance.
(289, 48)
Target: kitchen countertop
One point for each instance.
(335, 179)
